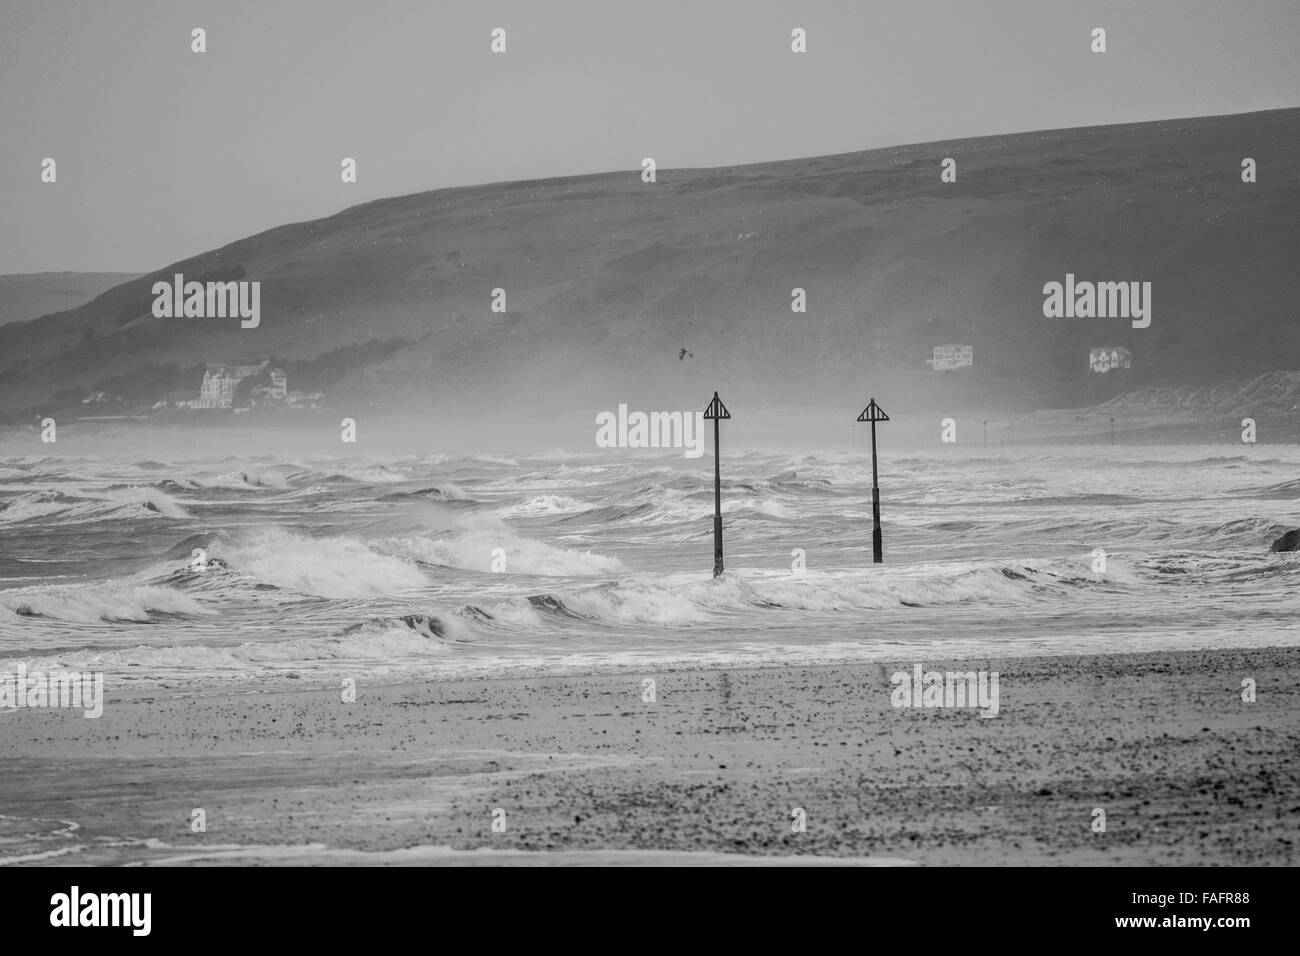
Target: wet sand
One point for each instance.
(586, 771)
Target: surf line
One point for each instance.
(211, 300)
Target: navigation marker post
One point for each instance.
(717, 411)
(874, 413)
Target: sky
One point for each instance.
(163, 153)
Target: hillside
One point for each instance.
(1177, 413)
(608, 278)
(30, 295)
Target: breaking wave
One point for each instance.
(333, 567)
(485, 543)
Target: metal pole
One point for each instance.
(717, 503)
(877, 545)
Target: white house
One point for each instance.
(220, 381)
(1106, 357)
(947, 357)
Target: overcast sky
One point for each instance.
(163, 153)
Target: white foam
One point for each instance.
(423, 855)
(545, 505)
(89, 604)
(380, 644)
(473, 545)
(336, 567)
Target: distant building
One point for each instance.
(218, 388)
(276, 391)
(279, 387)
(947, 357)
(1107, 357)
(220, 381)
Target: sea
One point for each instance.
(168, 572)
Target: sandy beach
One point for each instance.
(586, 771)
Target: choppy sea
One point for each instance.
(167, 572)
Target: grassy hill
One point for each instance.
(607, 278)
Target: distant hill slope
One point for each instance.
(608, 278)
(30, 295)
(1275, 395)
(1182, 412)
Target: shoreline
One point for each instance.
(273, 676)
(588, 771)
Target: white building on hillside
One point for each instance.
(220, 381)
(1105, 358)
(947, 357)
